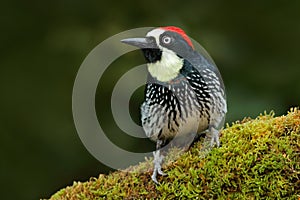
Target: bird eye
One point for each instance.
(166, 39)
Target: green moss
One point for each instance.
(259, 159)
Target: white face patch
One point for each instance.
(156, 33)
(170, 64)
(167, 68)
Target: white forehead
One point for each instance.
(155, 33)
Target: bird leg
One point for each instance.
(211, 138)
(214, 136)
(158, 158)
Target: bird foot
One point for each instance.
(214, 137)
(211, 139)
(158, 158)
(154, 175)
(160, 172)
(154, 179)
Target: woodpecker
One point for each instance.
(184, 95)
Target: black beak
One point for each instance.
(143, 43)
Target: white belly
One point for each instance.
(159, 124)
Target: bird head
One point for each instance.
(165, 49)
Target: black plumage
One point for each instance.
(184, 94)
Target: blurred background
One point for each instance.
(255, 44)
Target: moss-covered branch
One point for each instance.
(259, 159)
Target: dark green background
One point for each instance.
(255, 44)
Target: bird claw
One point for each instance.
(158, 158)
(211, 139)
(154, 175)
(215, 137)
(160, 172)
(154, 179)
